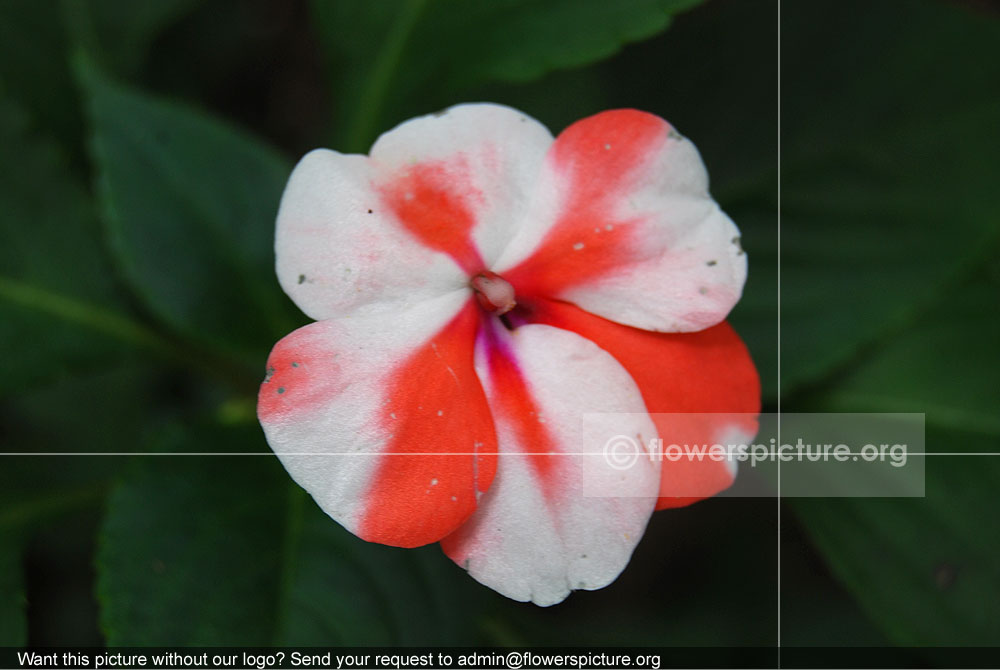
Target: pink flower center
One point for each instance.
(494, 293)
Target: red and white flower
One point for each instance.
(477, 287)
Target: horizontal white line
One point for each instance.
(456, 453)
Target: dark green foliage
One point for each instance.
(189, 207)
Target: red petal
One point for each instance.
(435, 404)
(709, 371)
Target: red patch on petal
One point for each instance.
(301, 375)
(599, 158)
(709, 371)
(514, 401)
(432, 201)
(436, 413)
(699, 476)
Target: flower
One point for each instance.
(477, 287)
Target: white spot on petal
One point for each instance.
(578, 246)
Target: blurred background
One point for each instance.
(145, 146)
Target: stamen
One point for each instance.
(493, 292)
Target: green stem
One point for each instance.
(119, 327)
(91, 316)
(360, 129)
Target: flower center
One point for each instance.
(494, 293)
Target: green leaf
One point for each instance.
(50, 434)
(13, 623)
(225, 551)
(920, 566)
(34, 48)
(190, 550)
(924, 569)
(384, 54)
(189, 206)
(59, 309)
(343, 590)
(943, 364)
(890, 153)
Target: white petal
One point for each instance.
(341, 251)
(491, 154)
(538, 534)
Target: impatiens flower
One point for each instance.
(477, 288)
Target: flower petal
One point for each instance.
(340, 250)
(707, 375)
(536, 535)
(383, 420)
(456, 180)
(623, 226)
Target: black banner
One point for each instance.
(471, 658)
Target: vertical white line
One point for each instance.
(779, 333)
